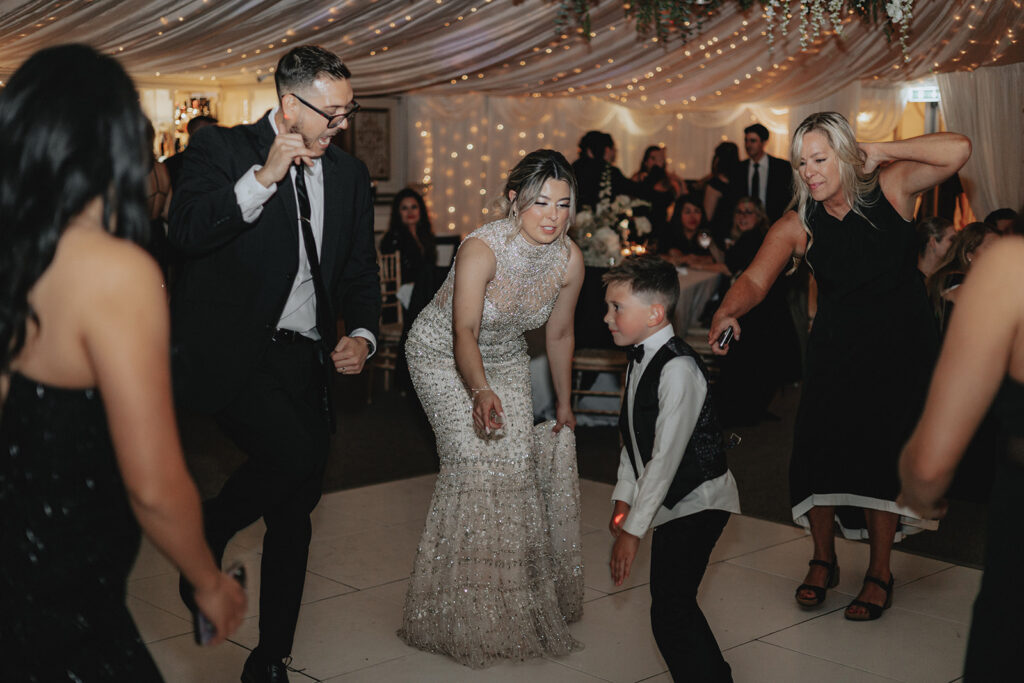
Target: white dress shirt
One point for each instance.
(299, 312)
(762, 169)
(681, 393)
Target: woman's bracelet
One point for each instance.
(481, 389)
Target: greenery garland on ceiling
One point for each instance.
(667, 19)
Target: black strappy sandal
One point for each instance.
(819, 591)
(873, 611)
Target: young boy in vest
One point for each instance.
(672, 470)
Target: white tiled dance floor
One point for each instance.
(362, 551)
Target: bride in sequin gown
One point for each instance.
(498, 573)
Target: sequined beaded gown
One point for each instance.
(69, 539)
(498, 573)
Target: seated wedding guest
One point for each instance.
(673, 476)
(965, 246)
(1001, 220)
(769, 354)
(934, 235)
(410, 235)
(687, 240)
(664, 187)
(719, 193)
(981, 365)
(89, 448)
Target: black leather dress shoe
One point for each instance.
(258, 670)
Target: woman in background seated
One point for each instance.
(89, 447)
(769, 353)
(687, 242)
(982, 365)
(934, 235)
(411, 236)
(944, 281)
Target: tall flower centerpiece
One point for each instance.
(610, 231)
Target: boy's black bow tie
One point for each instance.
(635, 353)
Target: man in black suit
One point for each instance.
(763, 176)
(276, 228)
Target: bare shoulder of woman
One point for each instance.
(112, 273)
(791, 229)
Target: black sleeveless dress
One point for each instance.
(69, 540)
(870, 356)
(997, 630)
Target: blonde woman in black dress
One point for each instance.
(873, 343)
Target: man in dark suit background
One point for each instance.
(275, 224)
(763, 176)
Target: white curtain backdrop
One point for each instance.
(986, 105)
(460, 147)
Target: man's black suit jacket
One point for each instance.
(779, 188)
(237, 276)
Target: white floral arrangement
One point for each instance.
(603, 233)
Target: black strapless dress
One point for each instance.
(69, 539)
(870, 358)
(997, 629)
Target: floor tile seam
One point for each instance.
(368, 666)
(572, 668)
(159, 607)
(761, 549)
(810, 617)
(340, 583)
(823, 659)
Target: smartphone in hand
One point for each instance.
(202, 629)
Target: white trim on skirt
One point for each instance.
(909, 524)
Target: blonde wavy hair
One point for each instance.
(527, 178)
(855, 184)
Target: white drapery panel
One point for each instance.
(510, 47)
(986, 105)
(872, 111)
(460, 147)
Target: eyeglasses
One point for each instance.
(746, 212)
(333, 120)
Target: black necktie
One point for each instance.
(755, 182)
(323, 322)
(635, 353)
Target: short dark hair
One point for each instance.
(596, 142)
(647, 275)
(758, 130)
(303, 64)
(201, 121)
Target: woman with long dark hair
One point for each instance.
(412, 237)
(873, 344)
(89, 449)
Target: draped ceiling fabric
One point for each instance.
(465, 66)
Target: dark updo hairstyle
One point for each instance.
(424, 231)
(72, 131)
